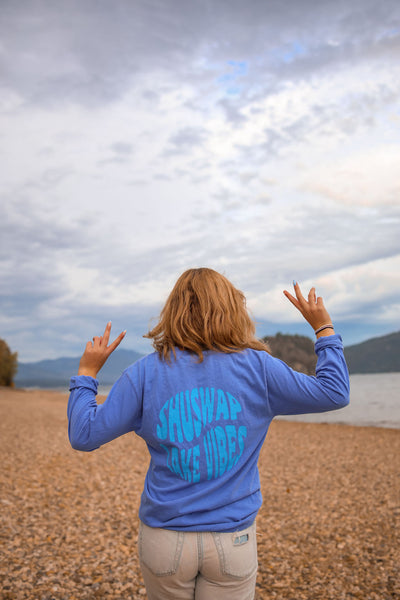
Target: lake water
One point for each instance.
(374, 401)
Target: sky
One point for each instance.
(141, 138)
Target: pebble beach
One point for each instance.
(328, 528)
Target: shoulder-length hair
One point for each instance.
(204, 311)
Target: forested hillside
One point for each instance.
(8, 364)
(295, 350)
(377, 355)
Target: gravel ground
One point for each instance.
(328, 529)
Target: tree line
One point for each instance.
(8, 364)
(297, 351)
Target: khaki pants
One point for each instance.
(194, 565)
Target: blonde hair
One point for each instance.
(204, 311)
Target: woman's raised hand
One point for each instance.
(312, 309)
(97, 352)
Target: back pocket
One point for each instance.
(237, 552)
(160, 549)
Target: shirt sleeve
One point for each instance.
(293, 393)
(90, 425)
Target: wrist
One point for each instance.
(324, 330)
(87, 372)
(325, 333)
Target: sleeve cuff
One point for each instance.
(79, 381)
(334, 341)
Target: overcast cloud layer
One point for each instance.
(142, 138)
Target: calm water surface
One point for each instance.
(374, 401)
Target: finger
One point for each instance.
(292, 299)
(311, 296)
(96, 341)
(116, 342)
(106, 334)
(88, 346)
(302, 301)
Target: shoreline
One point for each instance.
(327, 530)
(340, 417)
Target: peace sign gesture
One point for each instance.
(312, 309)
(97, 352)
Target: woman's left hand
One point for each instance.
(97, 352)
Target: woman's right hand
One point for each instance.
(97, 352)
(313, 309)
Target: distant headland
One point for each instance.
(376, 355)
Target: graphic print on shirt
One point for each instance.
(202, 435)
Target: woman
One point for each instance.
(203, 402)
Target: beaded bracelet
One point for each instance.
(329, 326)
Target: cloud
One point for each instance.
(368, 177)
(122, 148)
(364, 294)
(94, 53)
(185, 140)
(140, 139)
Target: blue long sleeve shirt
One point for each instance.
(204, 425)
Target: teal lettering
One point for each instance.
(175, 461)
(234, 406)
(221, 443)
(167, 451)
(214, 445)
(162, 432)
(231, 439)
(196, 464)
(186, 419)
(196, 409)
(207, 404)
(185, 464)
(222, 406)
(187, 416)
(209, 454)
(174, 419)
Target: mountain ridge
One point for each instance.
(58, 371)
(376, 355)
